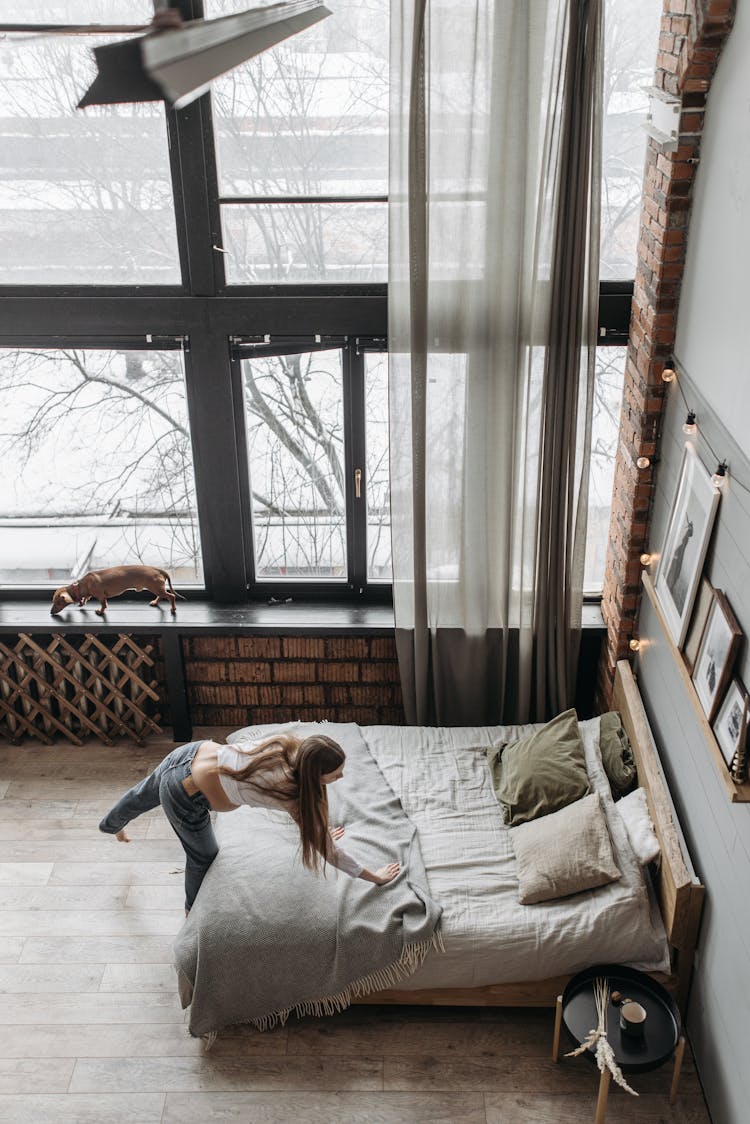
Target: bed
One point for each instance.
(675, 891)
(454, 932)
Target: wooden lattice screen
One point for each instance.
(77, 687)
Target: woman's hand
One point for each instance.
(335, 832)
(387, 874)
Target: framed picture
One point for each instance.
(698, 622)
(730, 726)
(688, 531)
(720, 641)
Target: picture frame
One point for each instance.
(686, 540)
(703, 602)
(717, 652)
(730, 727)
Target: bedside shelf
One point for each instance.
(738, 793)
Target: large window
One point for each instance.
(631, 39)
(95, 464)
(85, 195)
(257, 459)
(302, 146)
(605, 429)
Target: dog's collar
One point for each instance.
(77, 592)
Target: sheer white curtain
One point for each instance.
(493, 291)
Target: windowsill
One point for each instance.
(298, 617)
(197, 616)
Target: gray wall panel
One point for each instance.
(718, 836)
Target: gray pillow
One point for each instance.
(564, 853)
(540, 773)
(617, 756)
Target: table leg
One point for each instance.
(601, 1104)
(558, 1025)
(678, 1056)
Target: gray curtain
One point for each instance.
(493, 294)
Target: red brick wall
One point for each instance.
(246, 680)
(693, 33)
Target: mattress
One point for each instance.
(441, 776)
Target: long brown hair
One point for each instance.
(295, 767)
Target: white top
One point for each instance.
(252, 794)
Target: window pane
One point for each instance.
(632, 36)
(306, 242)
(294, 421)
(85, 195)
(310, 115)
(96, 465)
(610, 373)
(378, 468)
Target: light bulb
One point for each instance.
(689, 425)
(634, 645)
(645, 560)
(669, 373)
(719, 478)
(643, 462)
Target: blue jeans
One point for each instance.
(188, 815)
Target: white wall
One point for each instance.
(713, 344)
(714, 314)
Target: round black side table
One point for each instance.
(661, 1038)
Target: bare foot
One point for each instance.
(123, 836)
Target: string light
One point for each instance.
(719, 478)
(643, 462)
(689, 425)
(634, 645)
(669, 373)
(646, 559)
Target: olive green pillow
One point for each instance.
(617, 756)
(542, 772)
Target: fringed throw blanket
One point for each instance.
(266, 937)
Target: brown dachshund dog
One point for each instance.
(102, 584)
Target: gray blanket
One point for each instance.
(266, 937)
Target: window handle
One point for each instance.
(357, 483)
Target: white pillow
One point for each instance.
(635, 814)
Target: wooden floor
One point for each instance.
(91, 1030)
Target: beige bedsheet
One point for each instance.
(442, 780)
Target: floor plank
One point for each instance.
(103, 922)
(322, 1108)
(208, 1073)
(138, 977)
(50, 978)
(92, 1031)
(25, 874)
(651, 1108)
(28, 1076)
(96, 950)
(91, 1108)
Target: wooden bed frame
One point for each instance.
(679, 892)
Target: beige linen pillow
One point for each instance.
(540, 773)
(564, 853)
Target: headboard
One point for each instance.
(679, 891)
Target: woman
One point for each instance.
(283, 772)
